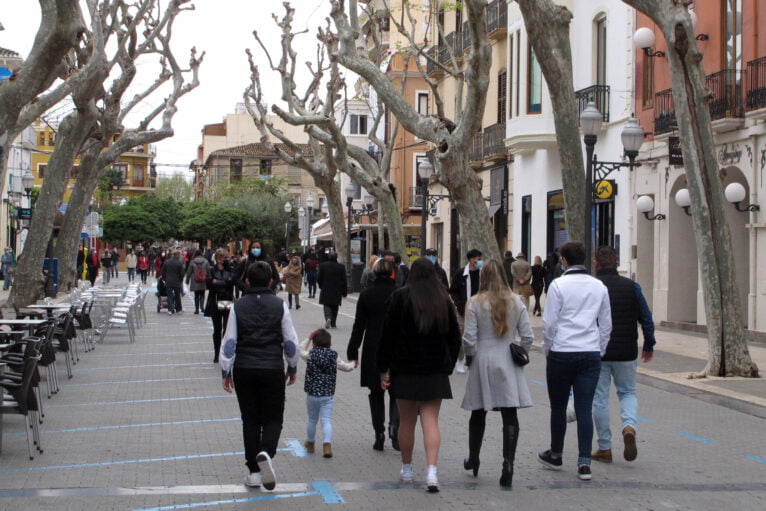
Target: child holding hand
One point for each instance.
(322, 364)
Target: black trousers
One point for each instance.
(220, 318)
(261, 397)
(331, 313)
(199, 300)
(378, 410)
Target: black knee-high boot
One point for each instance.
(378, 415)
(476, 427)
(510, 440)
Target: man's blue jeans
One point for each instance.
(624, 375)
(131, 274)
(319, 406)
(578, 371)
(174, 298)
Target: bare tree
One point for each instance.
(100, 115)
(325, 129)
(452, 138)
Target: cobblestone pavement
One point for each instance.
(148, 426)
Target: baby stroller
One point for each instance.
(162, 295)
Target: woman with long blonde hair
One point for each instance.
(493, 317)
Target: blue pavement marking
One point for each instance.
(643, 419)
(327, 491)
(756, 458)
(148, 365)
(179, 343)
(140, 381)
(154, 353)
(160, 400)
(126, 426)
(296, 447)
(538, 382)
(695, 437)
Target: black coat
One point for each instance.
(173, 272)
(239, 279)
(222, 289)
(332, 283)
(538, 278)
(405, 350)
(368, 327)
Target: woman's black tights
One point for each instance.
(479, 417)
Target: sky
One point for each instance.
(221, 28)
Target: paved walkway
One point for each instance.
(148, 426)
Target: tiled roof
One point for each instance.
(5, 52)
(258, 149)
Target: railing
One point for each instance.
(726, 90)
(756, 86)
(416, 198)
(476, 154)
(448, 43)
(664, 112)
(497, 17)
(599, 94)
(457, 44)
(494, 144)
(436, 53)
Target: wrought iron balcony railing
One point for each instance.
(756, 84)
(493, 141)
(599, 94)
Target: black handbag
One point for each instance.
(519, 355)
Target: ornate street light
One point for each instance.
(736, 193)
(288, 209)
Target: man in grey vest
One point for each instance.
(259, 338)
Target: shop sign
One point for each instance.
(675, 154)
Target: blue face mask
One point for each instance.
(256, 252)
(432, 259)
(479, 264)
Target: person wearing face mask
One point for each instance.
(257, 253)
(465, 284)
(432, 256)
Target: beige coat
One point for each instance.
(521, 270)
(293, 279)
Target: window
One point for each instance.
(264, 167)
(733, 34)
(41, 168)
(502, 82)
(510, 69)
(601, 50)
(647, 82)
(357, 190)
(358, 124)
(526, 225)
(534, 84)
(123, 169)
(558, 233)
(423, 103)
(41, 138)
(73, 172)
(517, 73)
(235, 169)
(138, 174)
(459, 16)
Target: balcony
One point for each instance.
(756, 86)
(726, 106)
(599, 94)
(432, 68)
(664, 112)
(447, 49)
(476, 153)
(416, 198)
(466, 34)
(494, 142)
(497, 19)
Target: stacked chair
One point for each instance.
(18, 382)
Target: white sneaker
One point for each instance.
(268, 477)
(406, 475)
(432, 480)
(253, 480)
(460, 367)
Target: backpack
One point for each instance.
(200, 275)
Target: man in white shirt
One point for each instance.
(577, 323)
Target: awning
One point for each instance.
(493, 208)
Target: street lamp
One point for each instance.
(350, 191)
(645, 204)
(736, 193)
(644, 38)
(302, 216)
(425, 170)
(309, 218)
(28, 182)
(288, 210)
(683, 200)
(632, 137)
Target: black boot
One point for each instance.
(510, 440)
(475, 438)
(380, 439)
(393, 433)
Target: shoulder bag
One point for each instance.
(519, 355)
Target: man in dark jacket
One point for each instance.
(106, 264)
(173, 275)
(465, 284)
(433, 256)
(256, 253)
(629, 308)
(259, 338)
(332, 288)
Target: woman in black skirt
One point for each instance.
(418, 349)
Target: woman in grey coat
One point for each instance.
(492, 318)
(196, 278)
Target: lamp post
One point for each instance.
(632, 137)
(28, 182)
(350, 190)
(309, 218)
(302, 221)
(425, 170)
(288, 210)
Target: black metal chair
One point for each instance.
(23, 402)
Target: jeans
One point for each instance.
(311, 278)
(331, 313)
(143, 274)
(106, 275)
(319, 406)
(174, 298)
(6, 277)
(624, 375)
(131, 274)
(578, 371)
(199, 300)
(261, 398)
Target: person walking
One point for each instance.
(106, 264)
(152, 261)
(131, 262)
(418, 350)
(220, 284)
(79, 264)
(368, 275)
(159, 260)
(310, 266)
(143, 266)
(115, 262)
(619, 363)
(465, 284)
(173, 275)
(433, 255)
(493, 317)
(257, 253)
(259, 339)
(368, 326)
(577, 322)
(196, 278)
(508, 260)
(332, 288)
(293, 280)
(522, 278)
(8, 262)
(93, 264)
(322, 364)
(550, 267)
(538, 284)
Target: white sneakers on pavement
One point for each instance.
(406, 475)
(460, 366)
(268, 477)
(253, 480)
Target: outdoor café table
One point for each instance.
(28, 323)
(49, 308)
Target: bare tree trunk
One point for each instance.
(336, 212)
(548, 27)
(728, 354)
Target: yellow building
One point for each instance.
(136, 165)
